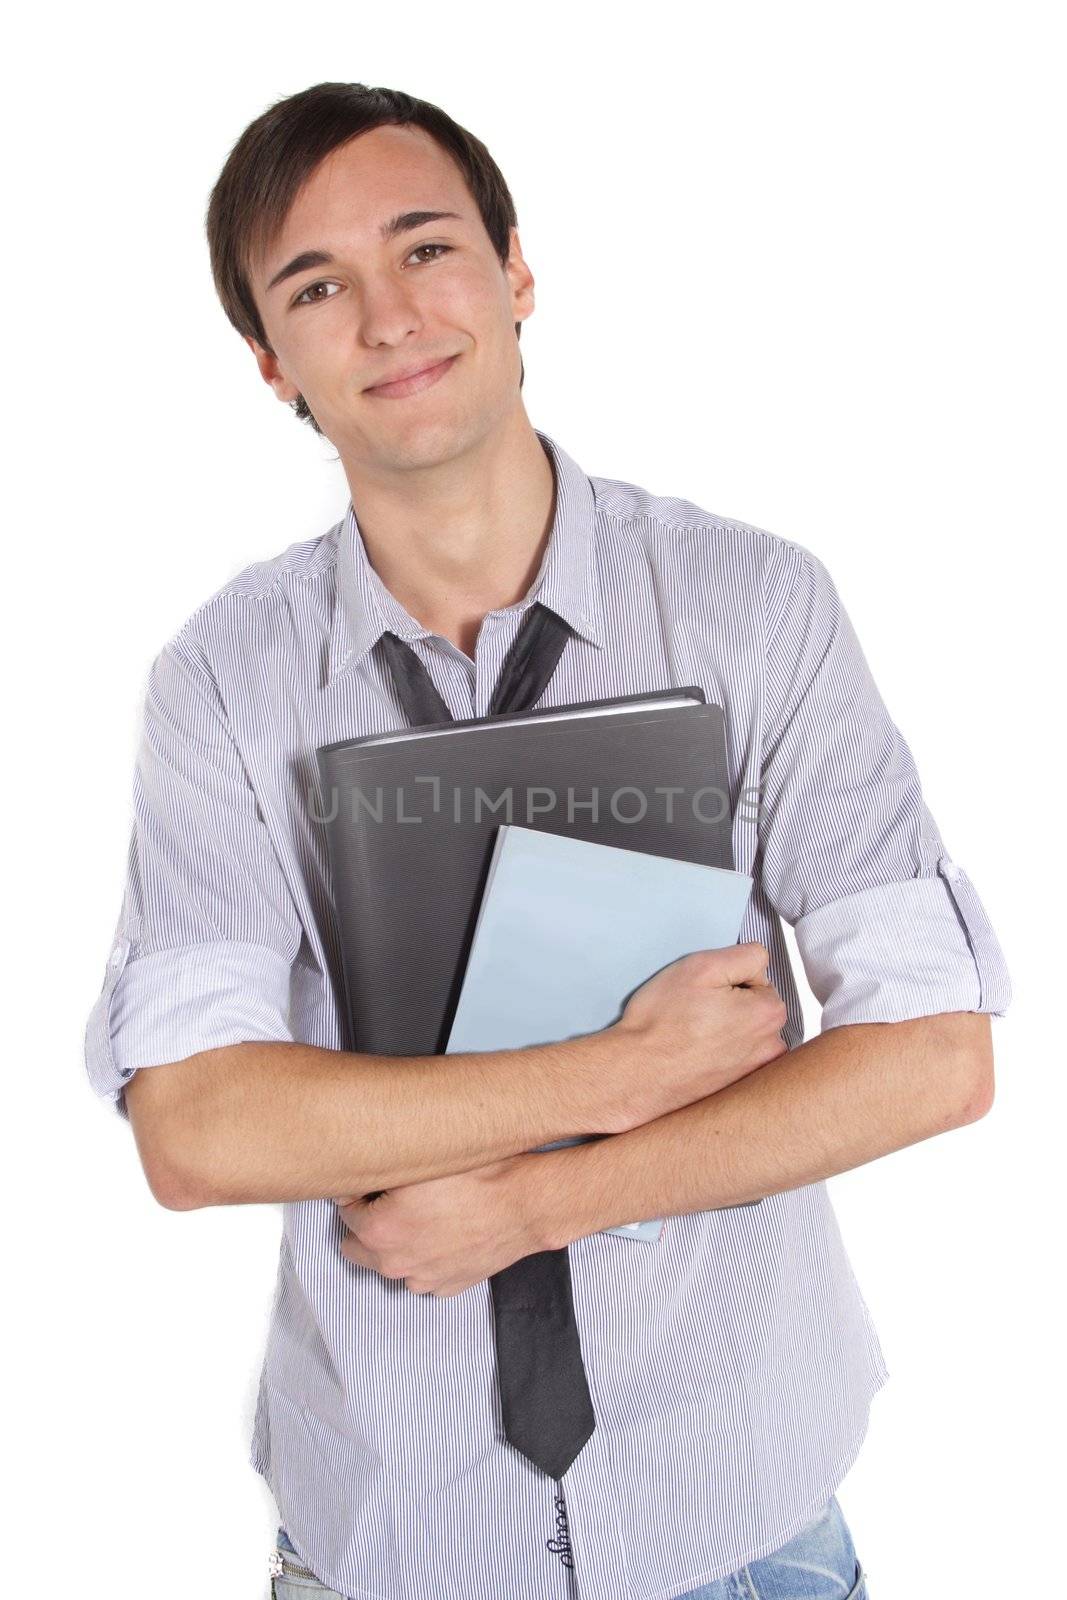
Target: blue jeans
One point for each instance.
(818, 1563)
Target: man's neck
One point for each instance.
(465, 539)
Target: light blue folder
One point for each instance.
(566, 931)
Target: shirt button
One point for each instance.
(950, 869)
(115, 958)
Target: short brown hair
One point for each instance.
(277, 153)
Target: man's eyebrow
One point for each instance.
(404, 222)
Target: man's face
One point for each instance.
(383, 306)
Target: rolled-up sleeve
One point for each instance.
(887, 925)
(208, 931)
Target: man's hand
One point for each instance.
(446, 1234)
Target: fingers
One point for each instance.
(755, 959)
(738, 964)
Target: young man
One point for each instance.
(365, 247)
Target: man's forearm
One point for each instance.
(281, 1121)
(846, 1097)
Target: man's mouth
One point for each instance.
(414, 383)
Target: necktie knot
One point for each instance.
(524, 674)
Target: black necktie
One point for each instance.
(548, 1413)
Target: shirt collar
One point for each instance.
(364, 608)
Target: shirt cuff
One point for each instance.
(166, 1005)
(900, 950)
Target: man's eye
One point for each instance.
(445, 247)
(302, 297)
(311, 286)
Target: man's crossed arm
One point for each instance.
(846, 1097)
(835, 1102)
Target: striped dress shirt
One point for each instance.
(731, 1364)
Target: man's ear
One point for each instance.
(270, 371)
(521, 280)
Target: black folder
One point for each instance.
(411, 818)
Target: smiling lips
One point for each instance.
(413, 384)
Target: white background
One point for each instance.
(794, 263)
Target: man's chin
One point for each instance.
(426, 442)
